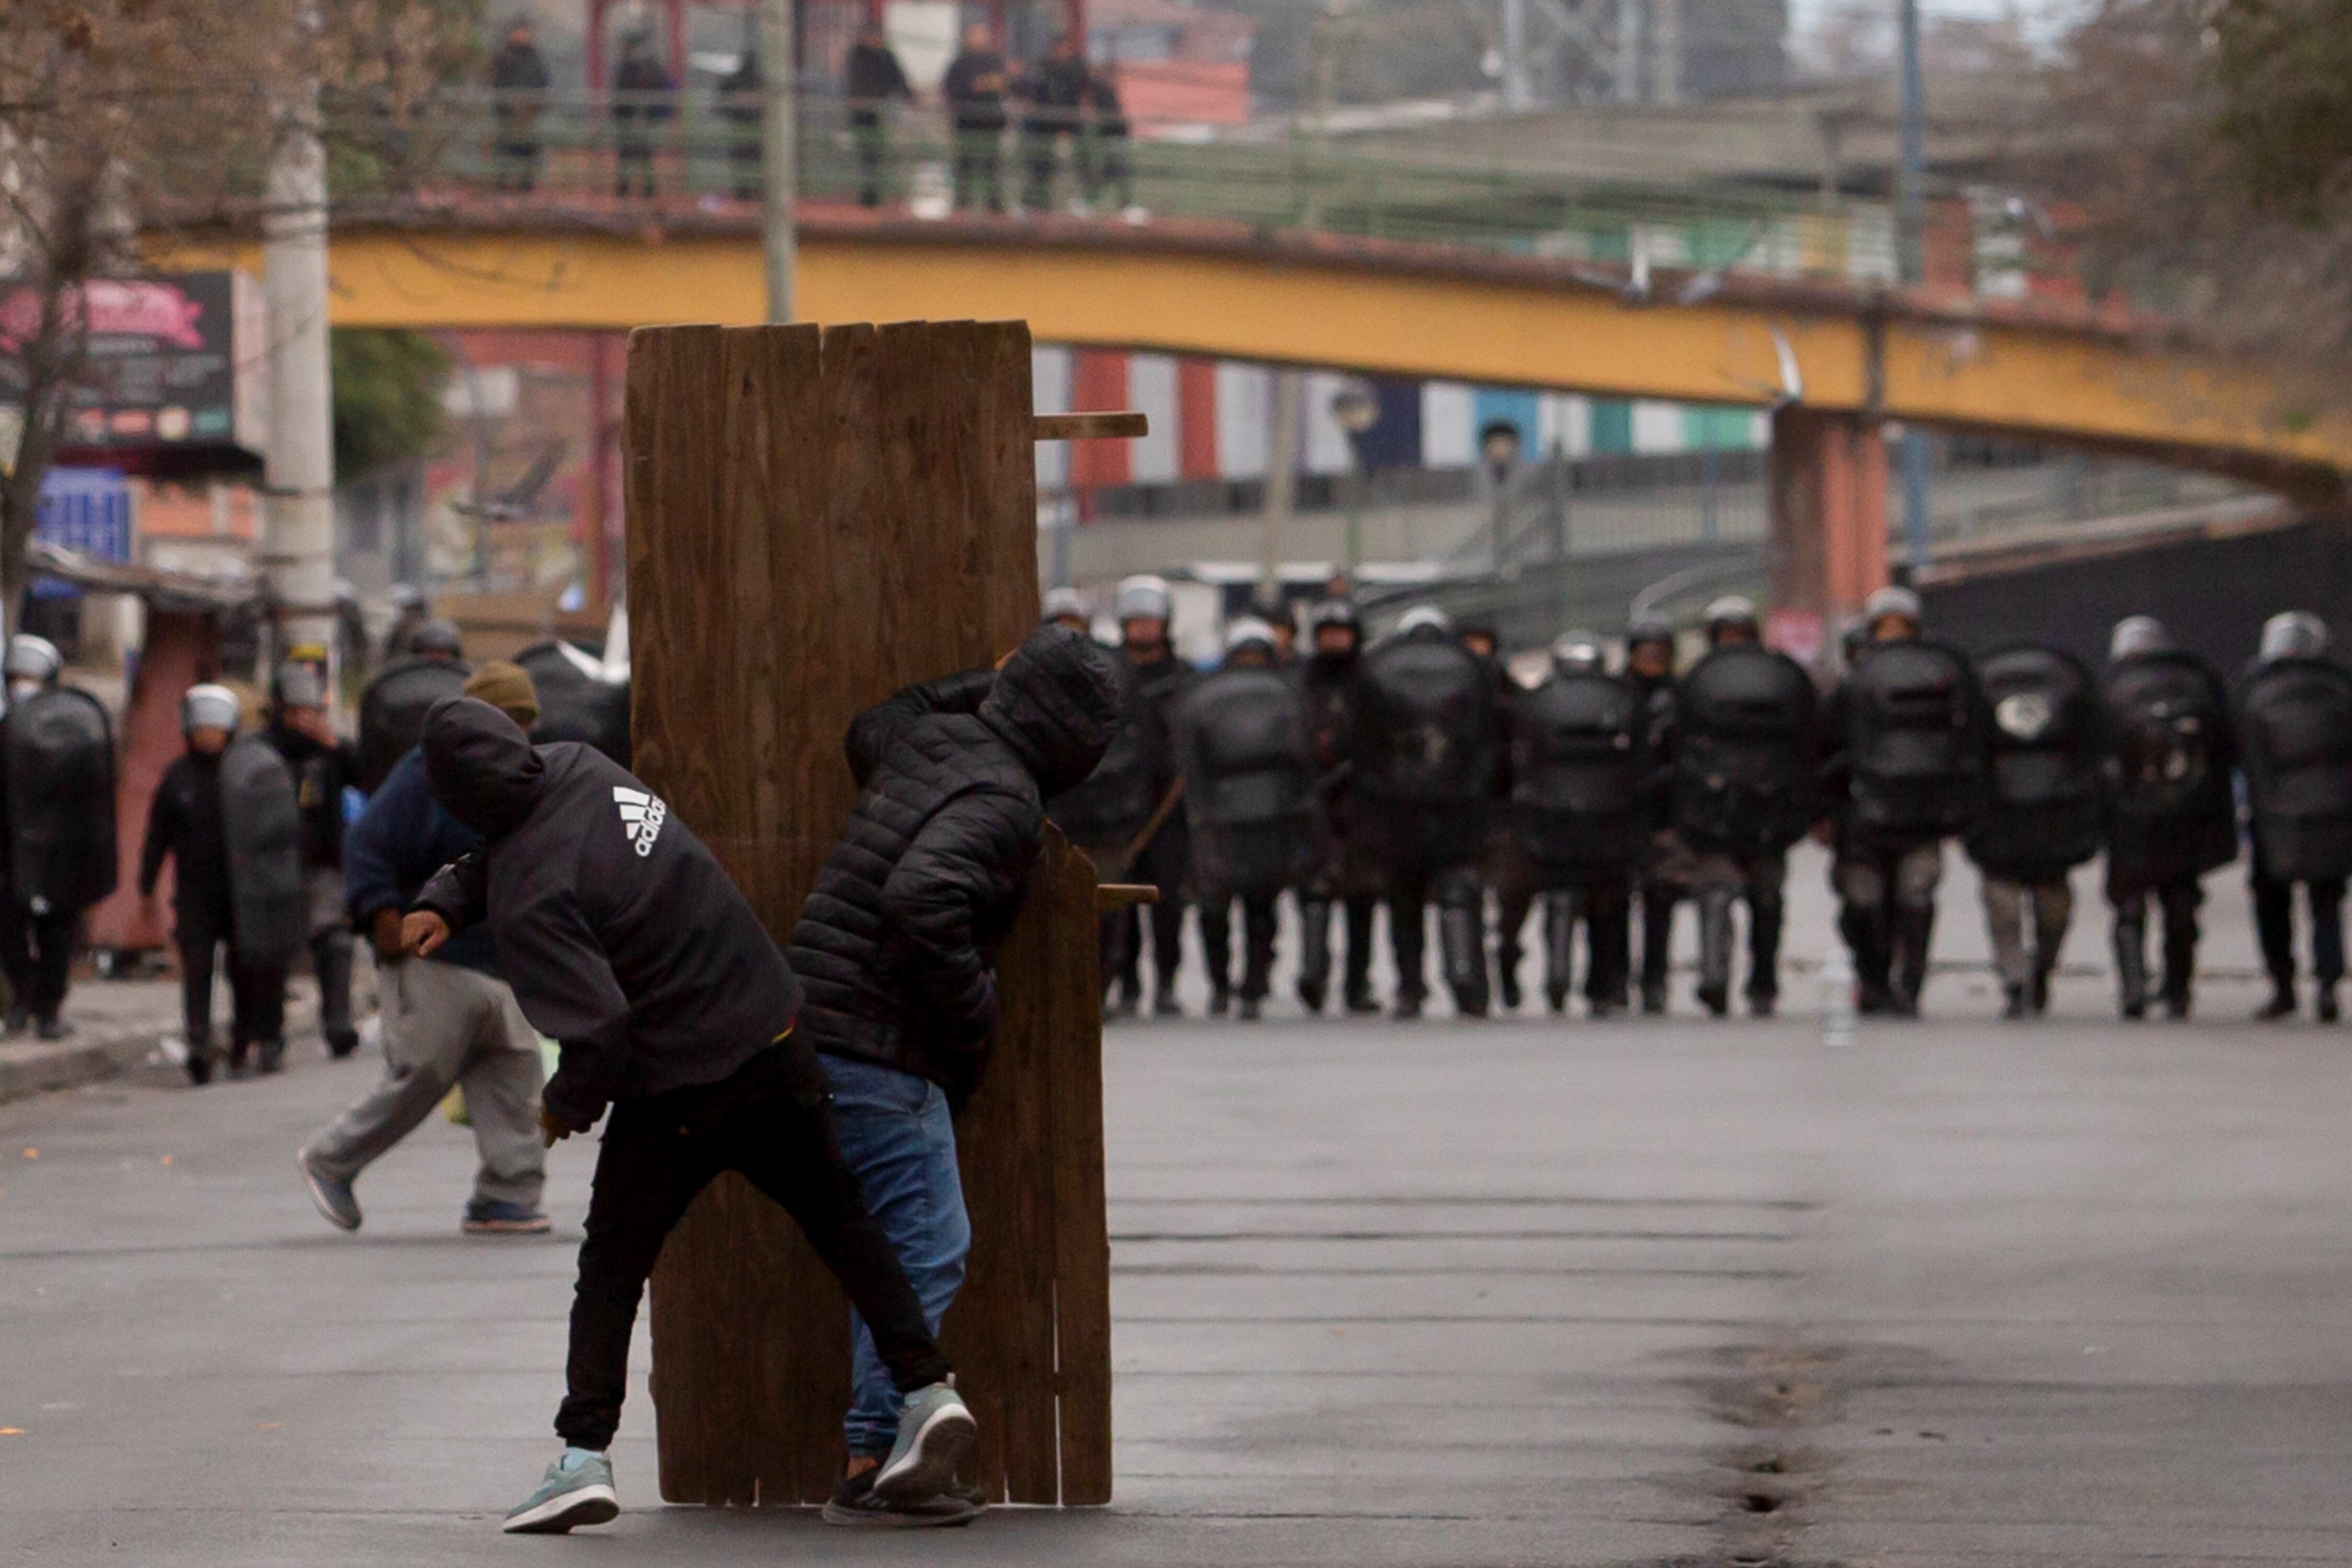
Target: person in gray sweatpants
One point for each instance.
(449, 1019)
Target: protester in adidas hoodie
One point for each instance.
(896, 945)
(626, 942)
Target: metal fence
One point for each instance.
(697, 152)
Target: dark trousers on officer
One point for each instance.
(1258, 944)
(1164, 863)
(2274, 927)
(1511, 879)
(35, 949)
(1602, 902)
(1661, 860)
(2010, 902)
(259, 990)
(2176, 902)
(1886, 893)
(1719, 878)
(1434, 858)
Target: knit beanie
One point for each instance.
(506, 686)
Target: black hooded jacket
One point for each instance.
(896, 943)
(621, 934)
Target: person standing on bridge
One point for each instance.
(2042, 814)
(1907, 732)
(1055, 91)
(1503, 861)
(644, 99)
(897, 947)
(1105, 163)
(518, 83)
(626, 942)
(743, 104)
(974, 88)
(2292, 717)
(873, 81)
(2171, 813)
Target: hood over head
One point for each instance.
(1057, 704)
(482, 766)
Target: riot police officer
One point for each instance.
(1736, 745)
(1649, 670)
(2041, 813)
(57, 783)
(1347, 870)
(2292, 716)
(1248, 764)
(1907, 733)
(2171, 816)
(1425, 751)
(1125, 816)
(1066, 606)
(324, 764)
(394, 705)
(1576, 784)
(1503, 863)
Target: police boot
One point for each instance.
(1508, 954)
(2016, 1005)
(1907, 975)
(1764, 914)
(1465, 960)
(1559, 942)
(1863, 934)
(2131, 968)
(2326, 1002)
(273, 1056)
(1314, 952)
(1357, 992)
(200, 1061)
(1714, 950)
(2179, 968)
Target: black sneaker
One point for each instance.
(17, 1018)
(2016, 1005)
(273, 1056)
(2280, 1006)
(1507, 989)
(1407, 1009)
(1716, 999)
(2327, 1013)
(51, 1028)
(1654, 1000)
(200, 1066)
(1762, 1004)
(1165, 1005)
(1221, 1001)
(1362, 1004)
(342, 1043)
(854, 1503)
(1249, 1010)
(1310, 996)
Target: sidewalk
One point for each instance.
(119, 1025)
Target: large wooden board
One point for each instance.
(815, 518)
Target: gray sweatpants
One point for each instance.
(2006, 909)
(446, 1024)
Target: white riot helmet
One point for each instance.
(2293, 634)
(209, 707)
(1892, 600)
(1143, 597)
(1248, 631)
(32, 661)
(1731, 610)
(1577, 653)
(2137, 635)
(1065, 604)
(1422, 615)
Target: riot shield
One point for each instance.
(574, 705)
(262, 825)
(393, 710)
(57, 750)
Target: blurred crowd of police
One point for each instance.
(1416, 771)
(252, 818)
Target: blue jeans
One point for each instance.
(900, 1143)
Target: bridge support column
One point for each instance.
(1827, 549)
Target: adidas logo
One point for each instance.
(642, 816)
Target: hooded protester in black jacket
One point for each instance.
(622, 936)
(896, 943)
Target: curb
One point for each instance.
(31, 1069)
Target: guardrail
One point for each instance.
(698, 151)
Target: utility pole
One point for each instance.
(779, 152)
(1910, 230)
(1629, 51)
(1518, 95)
(1281, 476)
(298, 470)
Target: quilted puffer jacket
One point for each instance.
(896, 945)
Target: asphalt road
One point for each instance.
(1511, 1293)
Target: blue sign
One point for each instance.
(88, 510)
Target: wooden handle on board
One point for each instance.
(1111, 896)
(1088, 427)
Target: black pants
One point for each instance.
(1603, 904)
(1461, 914)
(517, 160)
(2274, 927)
(1658, 935)
(259, 989)
(1104, 166)
(2176, 902)
(632, 162)
(658, 1153)
(1163, 863)
(1258, 944)
(873, 143)
(35, 951)
(977, 161)
(1039, 156)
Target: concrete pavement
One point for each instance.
(1511, 1293)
